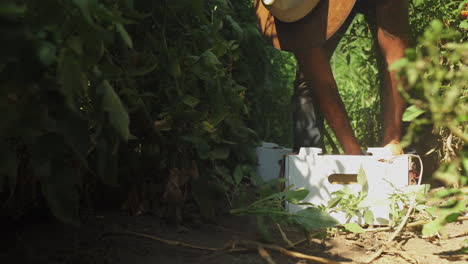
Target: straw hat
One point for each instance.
(300, 24)
(289, 10)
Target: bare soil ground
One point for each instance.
(104, 238)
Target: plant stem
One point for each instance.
(244, 211)
(417, 223)
(395, 234)
(455, 130)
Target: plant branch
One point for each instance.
(166, 241)
(413, 224)
(395, 234)
(248, 245)
(285, 237)
(455, 130)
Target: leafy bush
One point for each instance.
(437, 75)
(269, 209)
(62, 107)
(423, 12)
(154, 97)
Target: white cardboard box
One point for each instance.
(270, 157)
(311, 170)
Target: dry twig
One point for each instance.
(285, 238)
(265, 255)
(248, 244)
(284, 251)
(404, 255)
(167, 241)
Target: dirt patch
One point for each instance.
(102, 239)
(409, 247)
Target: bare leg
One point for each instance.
(315, 66)
(308, 123)
(392, 35)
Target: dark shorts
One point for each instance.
(364, 7)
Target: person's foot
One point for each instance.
(394, 147)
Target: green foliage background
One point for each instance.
(154, 97)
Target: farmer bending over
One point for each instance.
(311, 29)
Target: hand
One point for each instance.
(394, 147)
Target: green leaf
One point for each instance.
(208, 127)
(235, 26)
(353, 227)
(255, 179)
(431, 228)
(118, 116)
(84, 5)
(464, 158)
(417, 3)
(238, 174)
(124, 34)
(437, 26)
(225, 173)
(411, 113)
(452, 217)
(143, 71)
(71, 78)
(174, 68)
(362, 179)
(210, 59)
(191, 101)
(221, 153)
(448, 173)
(334, 201)
(201, 145)
(463, 24)
(217, 117)
(296, 196)
(198, 9)
(412, 76)
(11, 9)
(369, 217)
(446, 193)
(293, 194)
(399, 64)
(462, 118)
(101, 11)
(313, 218)
(47, 53)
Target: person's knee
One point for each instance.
(315, 66)
(392, 47)
(393, 29)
